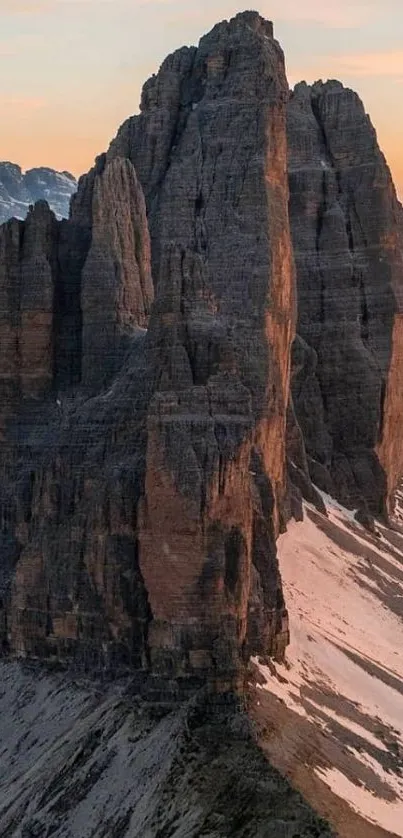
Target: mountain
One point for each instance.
(208, 348)
(131, 444)
(19, 191)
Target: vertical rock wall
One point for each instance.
(347, 232)
(143, 531)
(28, 268)
(143, 475)
(210, 151)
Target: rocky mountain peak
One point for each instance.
(155, 445)
(240, 25)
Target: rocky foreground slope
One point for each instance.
(158, 430)
(19, 190)
(87, 761)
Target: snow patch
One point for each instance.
(344, 670)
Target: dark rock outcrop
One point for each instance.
(142, 494)
(151, 454)
(209, 149)
(28, 257)
(18, 190)
(70, 464)
(347, 228)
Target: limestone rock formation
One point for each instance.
(142, 497)
(209, 149)
(19, 190)
(152, 453)
(347, 229)
(117, 289)
(28, 255)
(69, 464)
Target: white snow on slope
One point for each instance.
(344, 672)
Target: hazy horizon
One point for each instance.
(72, 70)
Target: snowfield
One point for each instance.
(341, 691)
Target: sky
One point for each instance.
(72, 70)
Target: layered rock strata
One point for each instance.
(347, 229)
(209, 149)
(151, 455)
(28, 256)
(142, 497)
(72, 442)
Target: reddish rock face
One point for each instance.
(143, 461)
(141, 525)
(220, 338)
(347, 228)
(73, 441)
(116, 288)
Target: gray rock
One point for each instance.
(144, 494)
(347, 228)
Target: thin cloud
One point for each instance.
(22, 103)
(339, 14)
(387, 65)
(25, 7)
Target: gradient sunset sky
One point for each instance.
(71, 70)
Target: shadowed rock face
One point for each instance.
(209, 149)
(347, 229)
(143, 456)
(28, 256)
(142, 495)
(90, 760)
(70, 465)
(116, 289)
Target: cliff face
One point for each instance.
(144, 445)
(142, 495)
(347, 228)
(209, 149)
(69, 579)
(28, 257)
(117, 289)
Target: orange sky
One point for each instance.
(72, 70)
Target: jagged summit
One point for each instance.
(182, 431)
(160, 423)
(177, 412)
(251, 20)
